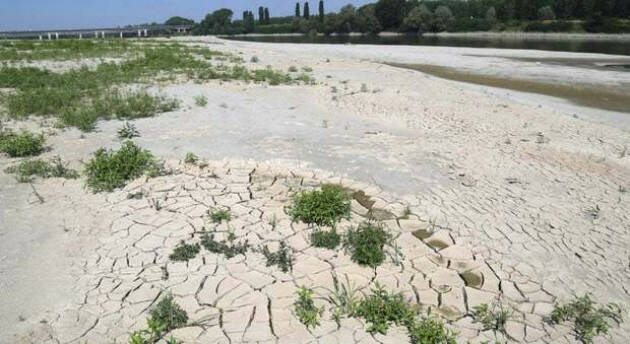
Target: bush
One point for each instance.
(492, 317)
(305, 308)
(327, 239)
(192, 158)
(109, 169)
(43, 169)
(184, 252)
(325, 207)
(465, 24)
(381, 309)
(168, 315)
(589, 319)
(228, 249)
(283, 258)
(201, 101)
(220, 215)
(550, 26)
(128, 131)
(430, 331)
(366, 244)
(22, 144)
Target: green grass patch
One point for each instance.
(220, 215)
(25, 170)
(192, 158)
(127, 131)
(283, 258)
(201, 101)
(305, 308)
(366, 244)
(110, 169)
(430, 330)
(589, 318)
(325, 207)
(185, 252)
(492, 317)
(21, 144)
(326, 239)
(228, 248)
(381, 309)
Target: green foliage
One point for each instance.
(109, 169)
(345, 300)
(184, 252)
(201, 100)
(20, 145)
(128, 131)
(492, 317)
(192, 158)
(283, 258)
(430, 331)
(325, 207)
(366, 244)
(327, 239)
(220, 215)
(229, 248)
(167, 316)
(589, 319)
(25, 170)
(381, 309)
(293, 69)
(305, 308)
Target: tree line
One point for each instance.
(419, 16)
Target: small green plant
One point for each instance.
(364, 88)
(220, 215)
(56, 168)
(327, 239)
(109, 169)
(307, 69)
(345, 299)
(191, 158)
(366, 244)
(227, 248)
(184, 252)
(165, 317)
(283, 258)
(22, 144)
(293, 69)
(325, 207)
(305, 308)
(589, 319)
(254, 59)
(128, 131)
(492, 317)
(430, 331)
(201, 100)
(381, 309)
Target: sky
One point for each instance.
(17, 15)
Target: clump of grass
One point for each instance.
(325, 207)
(128, 131)
(184, 252)
(366, 244)
(307, 69)
(229, 248)
(201, 100)
(25, 170)
(21, 144)
(381, 309)
(283, 258)
(305, 308)
(327, 239)
(166, 316)
(345, 300)
(430, 330)
(492, 317)
(220, 215)
(589, 319)
(293, 69)
(254, 59)
(109, 169)
(191, 158)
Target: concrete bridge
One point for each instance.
(121, 32)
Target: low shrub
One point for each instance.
(227, 248)
(283, 258)
(305, 308)
(25, 170)
(109, 169)
(492, 317)
(220, 215)
(366, 244)
(191, 158)
(184, 252)
(167, 315)
(381, 309)
(589, 319)
(201, 101)
(325, 207)
(430, 331)
(21, 144)
(327, 239)
(128, 131)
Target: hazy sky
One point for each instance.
(66, 14)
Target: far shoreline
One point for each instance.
(473, 34)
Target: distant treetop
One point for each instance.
(179, 21)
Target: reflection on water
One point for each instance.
(570, 45)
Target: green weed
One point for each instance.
(184, 252)
(381, 309)
(327, 239)
(128, 131)
(192, 159)
(25, 170)
(305, 308)
(21, 144)
(220, 215)
(430, 331)
(325, 207)
(366, 244)
(227, 248)
(283, 258)
(492, 317)
(201, 101)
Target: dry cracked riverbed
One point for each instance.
(511, 196)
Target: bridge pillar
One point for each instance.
(95, 34)
(139, 33)
(49, 36)
(57, 35)
(121, 35)
(80, 35)
(41, 38)
(146, 34)
(103, 34)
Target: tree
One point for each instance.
(261, 15)
(218, 22)
(267, 19)
(321, 11)
(366, 20)
(419, 19)
(248, 21)
(307, 11)
(179, 21)
(297, 9)
(346, 21)
(491, 15)
(546, 13)
(443, 16)
(390, 13)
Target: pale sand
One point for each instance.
(517, 183)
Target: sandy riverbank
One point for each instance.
(525, 193)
